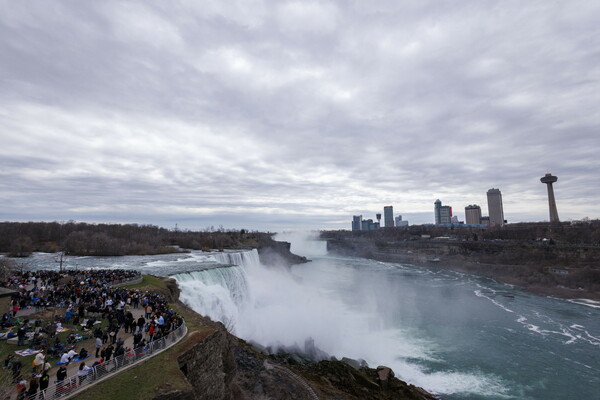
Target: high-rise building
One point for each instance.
(369, 225)
(495, 209)
(388, 216)
(357, 223)
(473, 214)
(399, 222)
(443, 214)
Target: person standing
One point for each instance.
(140, 323)
(44, 381)
(151, 331)
(33, 386)
(39, 362)
(98, 346)
(61, 375)
(82, 373)
(109, 352)
(21, 336)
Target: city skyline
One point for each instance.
(295, 115)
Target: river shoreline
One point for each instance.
(528, 278)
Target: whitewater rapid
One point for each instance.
(276, 308)
(455, 335)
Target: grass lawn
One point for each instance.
(148, 283)
(144, 381)
(7, 349)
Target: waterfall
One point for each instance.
(220, 293)
(271, 306)
(244, 259)
(233, 279)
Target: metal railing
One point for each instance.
(73, 385)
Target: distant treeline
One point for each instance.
(19, 239)
(585, 232)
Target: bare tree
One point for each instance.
(6, 267)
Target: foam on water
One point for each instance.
(275, 307)
(586, 302)
(479, 293)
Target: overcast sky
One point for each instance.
(273, 115)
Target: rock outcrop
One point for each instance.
(278, 254)
(220, 366)
(210, 366)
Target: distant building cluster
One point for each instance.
(473, 216)
(360, 224)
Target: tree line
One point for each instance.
(20, 239)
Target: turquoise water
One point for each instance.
(459, 336)
(471, 338)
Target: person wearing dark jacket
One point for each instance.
(33, 386)
(83, 353)
(109, 352)
(61, 375)
(21, 336)
(140, 323)
(44, 381)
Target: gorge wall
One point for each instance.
(221, 366)
(564, 270)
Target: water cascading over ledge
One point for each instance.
(220, 293)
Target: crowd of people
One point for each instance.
(82, 299)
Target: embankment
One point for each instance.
(561, 270)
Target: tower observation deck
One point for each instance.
(549, 179)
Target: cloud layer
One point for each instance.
(271, 115)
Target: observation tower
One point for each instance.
(549, 179)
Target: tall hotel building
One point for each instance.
(357, 222)
(495, 209)
(388, 216)
(443, 214)
(473, 214)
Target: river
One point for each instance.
(456, 335)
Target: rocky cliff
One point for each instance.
(221, 366)
(276, 253)
(563, 270)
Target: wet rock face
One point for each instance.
(209, 367)
(260, 378)
(222, 367)
(341, 381)
(278, 254)
(384, 374)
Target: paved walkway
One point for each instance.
(88, 344)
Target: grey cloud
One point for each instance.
(295, 112)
